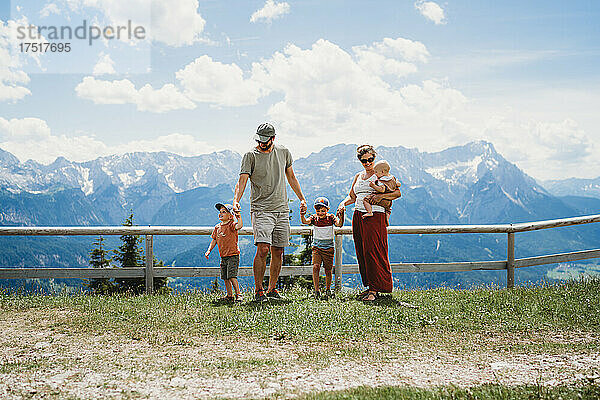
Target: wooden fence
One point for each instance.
(150, 272)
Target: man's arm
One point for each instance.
(240, 186)
(295, 185)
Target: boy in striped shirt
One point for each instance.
(322, 245)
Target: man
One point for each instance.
(268, 166)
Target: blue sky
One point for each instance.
(522, 75)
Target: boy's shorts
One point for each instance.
(229, 266)
(271, 227)
(324, 256)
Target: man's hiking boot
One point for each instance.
(274, 294)
(260, 297)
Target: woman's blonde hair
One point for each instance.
(364, 149)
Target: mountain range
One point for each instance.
(470, 184)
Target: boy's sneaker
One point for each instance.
(274, 294)
(316, 295)
(259, 296)
(328, 294)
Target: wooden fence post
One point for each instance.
(338, 262)
(149, 265)
(510, 262)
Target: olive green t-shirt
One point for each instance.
(267, 178)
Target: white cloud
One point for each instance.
(327, 89)
(105, 65)
(327, 95)
(546, 150)
(49, 8)
(123, 91)
(270, 11)
(178, 143)
(408, 50)
(175, 22)
(431, 11)
(165, 99)
(391, 56)
(25, 128)
(12, 78)
(205, 80)
(31, 138)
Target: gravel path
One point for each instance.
(37, 362)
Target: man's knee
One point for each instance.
(276, 251)
(262, 250)
(316, 268)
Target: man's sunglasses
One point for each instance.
(270, 139)
(366, 160)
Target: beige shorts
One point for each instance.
(271, 227)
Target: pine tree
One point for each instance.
(130, 254)
(160, 284)
(99, 259)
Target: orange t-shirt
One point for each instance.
(227, 239)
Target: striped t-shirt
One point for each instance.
(322, 230)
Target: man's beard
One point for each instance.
(265, 148)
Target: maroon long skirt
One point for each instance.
(370, 241)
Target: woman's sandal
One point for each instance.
(362, 294)
(370, 297)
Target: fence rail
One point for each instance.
(149, 272)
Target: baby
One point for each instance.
(385, 183)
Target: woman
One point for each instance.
(370, 234)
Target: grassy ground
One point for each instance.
(419, 333)
(173, 318)
(573, 392)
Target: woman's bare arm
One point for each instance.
(351, 198)
(390, 196)
(378, 188)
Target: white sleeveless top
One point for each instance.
(362, 190)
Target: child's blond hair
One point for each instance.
(382, 166)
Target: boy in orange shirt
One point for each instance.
(225, 235)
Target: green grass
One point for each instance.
(491, 391)
(178, 319)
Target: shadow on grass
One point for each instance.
(269, 303)
(387, 300)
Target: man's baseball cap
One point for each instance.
(322, 201)
(264, 132)
(228, 207)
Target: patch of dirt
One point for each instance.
(38, 362)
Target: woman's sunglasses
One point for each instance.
(367, 160)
